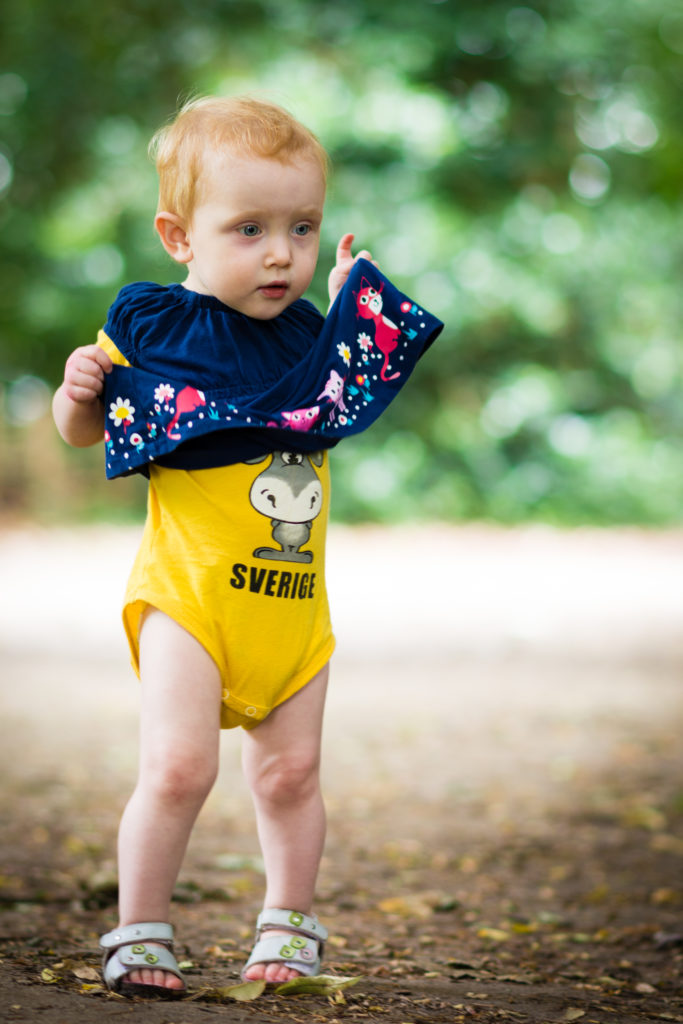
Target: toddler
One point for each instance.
(227, 391)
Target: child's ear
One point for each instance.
(174, 237)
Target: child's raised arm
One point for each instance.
(76, 407)
(342, 267)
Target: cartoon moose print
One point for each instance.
(369, 303)
(290, 493)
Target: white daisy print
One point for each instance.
(121, 411)
(345, 352)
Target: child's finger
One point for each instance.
(89, 359)
(103, 359)
(99, 357)
(344, 248)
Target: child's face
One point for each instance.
(255, 232)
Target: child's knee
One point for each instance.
(287, 779)
(180, 777)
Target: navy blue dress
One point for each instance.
(208, 386)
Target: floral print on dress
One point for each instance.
(122, 411)
(163, 394)
(354, 372)
(345, 352)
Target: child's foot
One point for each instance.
(154, 976)
(276, 972)
(288, 945)
(139, 961)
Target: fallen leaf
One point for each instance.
(319, 985)
(494, 934)
(550, 917)
(660, 897)
(48, 977)
(573, 1013)
(219, 952)
(643, 816)
(414, 906)
(645, 989)
(519, 979)
(87, 974)
(243, 993)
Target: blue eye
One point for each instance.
(250, 230)
(302, 229)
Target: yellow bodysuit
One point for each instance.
(236, 556)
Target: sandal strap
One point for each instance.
(137, 956)
(147, 931)
(291, 921)
(298, 952)
(301, 949)
(125, 951)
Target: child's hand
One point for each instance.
(84, 373)
(342, 267)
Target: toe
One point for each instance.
(255, 973)
(278, 973)
(272, 973)
(157, 978)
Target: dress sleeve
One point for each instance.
(133, 314)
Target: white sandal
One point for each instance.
(125, 951)
(302, 952)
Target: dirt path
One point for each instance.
(503, 779)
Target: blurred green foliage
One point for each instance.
(516, 168)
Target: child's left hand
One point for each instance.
(342, 267)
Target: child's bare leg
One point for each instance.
(282, 766)
(179, 734)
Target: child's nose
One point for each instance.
(279, 252)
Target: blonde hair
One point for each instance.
(249, 127)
